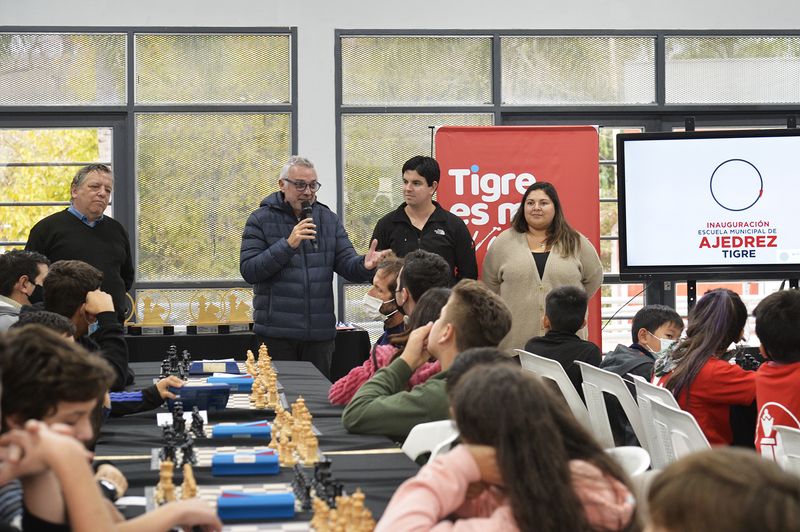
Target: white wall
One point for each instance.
(316, 21)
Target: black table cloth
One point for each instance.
(372, 463)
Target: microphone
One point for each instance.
(306, 210)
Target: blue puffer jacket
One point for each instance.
(293, 288)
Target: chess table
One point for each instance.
(372, 463)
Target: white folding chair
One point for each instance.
(427, 437)
(444, 446)
(596, 381)
(552, 370)
(788, 455)
(645, 394)
(677, 431)
(633, 460)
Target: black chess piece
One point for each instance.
(168, 450)
(177, 417)
(188, 456)
(197, 424)
(172, 354)
(186, 360)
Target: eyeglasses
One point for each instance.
(302, 185)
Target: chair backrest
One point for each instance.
(445, 445)
(645, 394)
(552, 370)
(633, 460)
(678, 431)
(426, 437)
(596, 381)
(788, 456)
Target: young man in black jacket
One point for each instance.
(564, 315)
(653, 330)
(421, 223)
(72, 289)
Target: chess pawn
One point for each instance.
(273, 439)
(189, 486)
(261, 400)
(291, 448)
(283, 450)
(312, 450)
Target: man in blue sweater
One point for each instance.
(290, 257)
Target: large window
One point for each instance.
(203, 120)
(391, 88)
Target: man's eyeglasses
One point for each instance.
(302, 185)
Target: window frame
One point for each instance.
(123, 119)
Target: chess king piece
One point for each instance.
(189, 486)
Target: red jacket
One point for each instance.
(778, 398)
(719, 385)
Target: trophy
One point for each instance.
(154, 319)
(238, 313)
(207, 311)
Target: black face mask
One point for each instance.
(37, 296)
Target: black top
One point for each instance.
(62, 236)
(109, 341)
(541, 261)
(444, 234)
(566, 348)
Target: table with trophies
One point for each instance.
(219, 326)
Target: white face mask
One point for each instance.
(372, 307)
(665, 343)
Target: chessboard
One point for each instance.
(209, 494)
(241, 401)
(205, 454)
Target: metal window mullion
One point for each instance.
(40, 164)
(34, 203)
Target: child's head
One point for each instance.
(724, 489)
(565, 309)
(535, 437)
(474, 316)
(716, 321)
(475, 357)
(66, 286)
(51, 320)
(777, 325)
(654, 325)
(48, 378)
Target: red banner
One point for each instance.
(485, 171)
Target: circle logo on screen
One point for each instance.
(736, 185)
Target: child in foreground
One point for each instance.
(556, 477)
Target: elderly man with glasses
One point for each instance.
(291, 246)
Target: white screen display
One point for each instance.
(712, 201)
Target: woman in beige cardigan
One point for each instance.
(539, 252)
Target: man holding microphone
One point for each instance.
(291, 247)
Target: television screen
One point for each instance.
(710, 204)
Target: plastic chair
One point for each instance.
(427, 437)
(596, 381)
(552, 370)
(678, 431)
(444, 446)
(633, 460)
(645, 393)
(788, 456)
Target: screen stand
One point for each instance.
(691, 294)
(793, 283)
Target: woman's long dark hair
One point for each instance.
(560, 234)
(427, 309)
(715, 322)
(535, 436)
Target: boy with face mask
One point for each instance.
(655, 328)
(379, 302)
